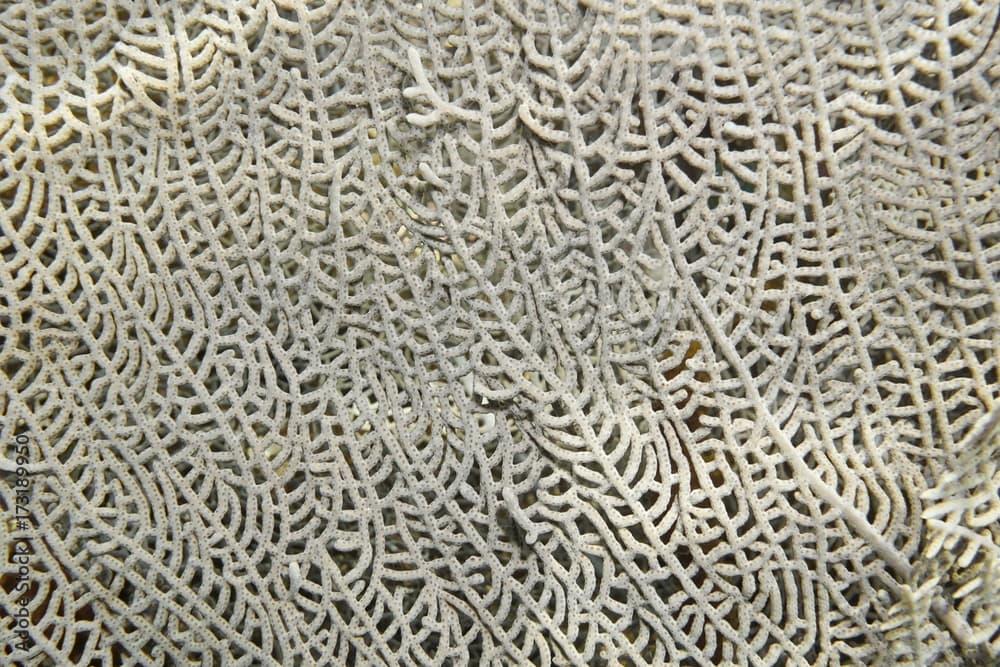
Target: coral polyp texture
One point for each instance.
(500, 333)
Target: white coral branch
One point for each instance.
(424, 88)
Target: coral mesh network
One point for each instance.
(510, 332)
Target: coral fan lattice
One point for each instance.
(503, 333)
